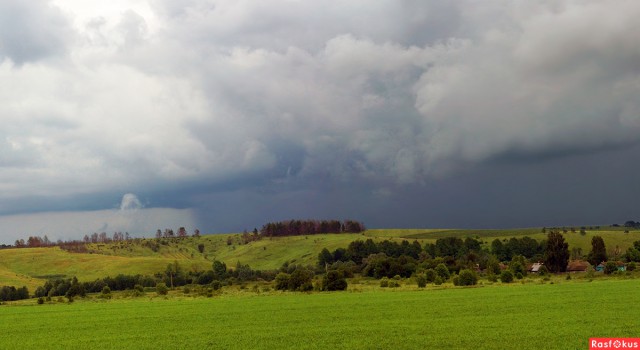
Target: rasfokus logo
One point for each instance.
(614, 343)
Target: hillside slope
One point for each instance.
(33, 266)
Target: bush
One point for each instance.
(384, 282)
(334, 280)
(506, 276)
(106, 292)
(138, 290)
(438, 281)
(40, 300)
(300, 279)
(216, 285)
(456, 280)
(430, 274)
(543, 271)
(282, 281)
(467, 278)
(421, 280)
(519, 275)
(610, 268)
(394, 283)
(492, 278)
(442, 271)
(631, 266)
(162, 289)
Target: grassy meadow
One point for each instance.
(33, 266)
(533, 315)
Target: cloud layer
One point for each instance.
(184, 100)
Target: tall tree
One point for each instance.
(556, 252)
(598, 251)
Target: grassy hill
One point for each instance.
(33, 266)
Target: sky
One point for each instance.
(222, 115)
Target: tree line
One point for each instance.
(11, 293)
(310, 227)
(390, 259)
(102, 237)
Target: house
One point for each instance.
(619, 265)
(578, 266)
(535, 267)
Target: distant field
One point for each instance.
(33, 266)
(562, 315)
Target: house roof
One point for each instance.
(535, 267)
(578, 265)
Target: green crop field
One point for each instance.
(562, 315)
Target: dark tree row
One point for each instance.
(10, 293)
(632, 224)
(310, 227)
(528, 247)
(390, 258)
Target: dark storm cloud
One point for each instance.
(382, 111)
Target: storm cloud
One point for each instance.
(385, 111)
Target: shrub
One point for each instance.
(430, 274)
(138, 290)
(106, 292)
(543, 271)
(438, 281)
(568, 277)
(610, 268)
(492, 278)
(301, 279)
(216, 285)
(467, 278)
(442, 271)
(631, 266)
(394, 283)
(282, 281)
(506, 276)
(421, 280)
(384, 282)
(334, 280)
(456, 280)
(519, 275)
(162, 289)
(40, 300)
(517, 265)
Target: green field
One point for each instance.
(562, 315)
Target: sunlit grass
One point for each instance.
(530, 316)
